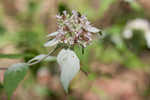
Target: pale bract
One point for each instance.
(93, 29)
(69, 65)
(52, 34)
(51, 43)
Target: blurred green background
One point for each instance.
(118, 65)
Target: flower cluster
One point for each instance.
(72, 29)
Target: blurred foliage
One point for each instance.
(30, 35)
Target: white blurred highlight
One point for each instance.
(140, 24)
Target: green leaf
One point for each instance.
(13, 77)
(84, 57)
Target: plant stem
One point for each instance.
(30, 63)
(52, 51)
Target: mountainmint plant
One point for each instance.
(72, 30)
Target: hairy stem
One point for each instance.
(33, 63)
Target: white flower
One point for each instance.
(72, 29)
(69, 64)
